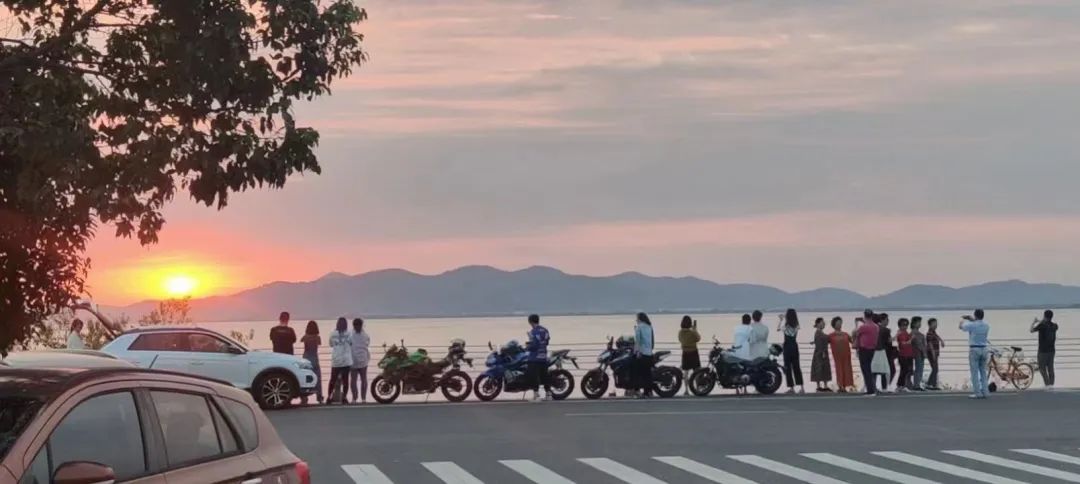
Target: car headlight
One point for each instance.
(305, 365)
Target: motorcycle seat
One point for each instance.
(732, 359)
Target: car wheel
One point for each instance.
(275, 390)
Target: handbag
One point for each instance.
(880, 363)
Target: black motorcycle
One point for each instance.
(619, 356)
(507, 372)
(730, 371)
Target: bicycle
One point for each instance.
(1017, 372)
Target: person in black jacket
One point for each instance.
(282, 336)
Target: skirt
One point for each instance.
(880, 363)
(691, 360)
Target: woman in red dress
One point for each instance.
(840, 342)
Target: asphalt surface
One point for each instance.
(942, 438)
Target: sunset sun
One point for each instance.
(180, 286)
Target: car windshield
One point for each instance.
(15, 414)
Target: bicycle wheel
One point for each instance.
(1023, 376)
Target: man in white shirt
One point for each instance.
(759, 337)
(742, 338)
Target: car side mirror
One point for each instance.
(235, 351)
(84, 473)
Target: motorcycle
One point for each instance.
(730, 371)
(416, 373)
(619, 357)
(507, 372)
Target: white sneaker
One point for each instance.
(547, 397)
(1049, 388)
(802, 390)
(790, 391)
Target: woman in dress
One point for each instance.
(312, 341)
(820, 373)
(841, 343)
(789, 325)
(688, 341)
(340, 361)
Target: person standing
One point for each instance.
(906, 352)
(282, 336)
(643, 350)
(1047, 330)
(312, 341)
(820, 371)
(934, 345)
(688, 341)
(866, 342)
(918, 344)
(340, 361)
(75, 340)
(789, 325)
(841, 344)
(538, 357)
(978, 331)
(361, 355)
(882, 365)
(759, 337)
(741, 341)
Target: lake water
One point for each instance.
(586, 335)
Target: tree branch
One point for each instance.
(65, 35)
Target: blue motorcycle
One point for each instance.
(506, 371)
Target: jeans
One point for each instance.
(314, 360)
(339, 384)
(360, 373)
(932, 381)
(644, 381)
(536, 372)
(919, 367)
(979, 360)
(865, 357)
(1046, 368)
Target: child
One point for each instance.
(841, 344)
(906, 353)
(918, 343)
(820, 373)
(934, 345)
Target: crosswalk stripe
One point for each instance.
(366, 474)
(947, 468)
(535, 472)
(879, 472)
(1045, 454)
(621, 472)
(784, 469)
(704, 471)
(1015, 464)
(451, 473)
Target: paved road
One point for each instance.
(915, 439)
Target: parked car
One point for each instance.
(273, 379)
(63, 359)
(126, 424)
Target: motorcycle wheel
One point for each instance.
(594, 384)
(486, 388)
(456, 386)
(667, 381)
(770, 382)
(702, 382)
(384, 391)
(560, 384)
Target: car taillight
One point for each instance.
(303, 472)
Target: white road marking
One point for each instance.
(1045, 454)
(879, 472)
(451, 473)
(786, 470)
(1015, 464)
(704, 471)
(621, 472)
(947, 468)
(535, 472)
(366, 474)
(704, 412)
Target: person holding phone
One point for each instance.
(688, 341)
(1047, 329)
(978, 331)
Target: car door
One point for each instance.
(161, 351)
(99, 424)
(202, 445)
(216, 358)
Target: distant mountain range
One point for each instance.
(481, 290)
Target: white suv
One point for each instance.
(273, 379)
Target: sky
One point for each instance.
(796, 143)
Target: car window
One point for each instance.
(244, 419)
(225, 433)
(188, 427)
(104, 429)
(160, 342)
(204, 343)
(15, 414)
(38, 472)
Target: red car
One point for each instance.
(123, 424)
